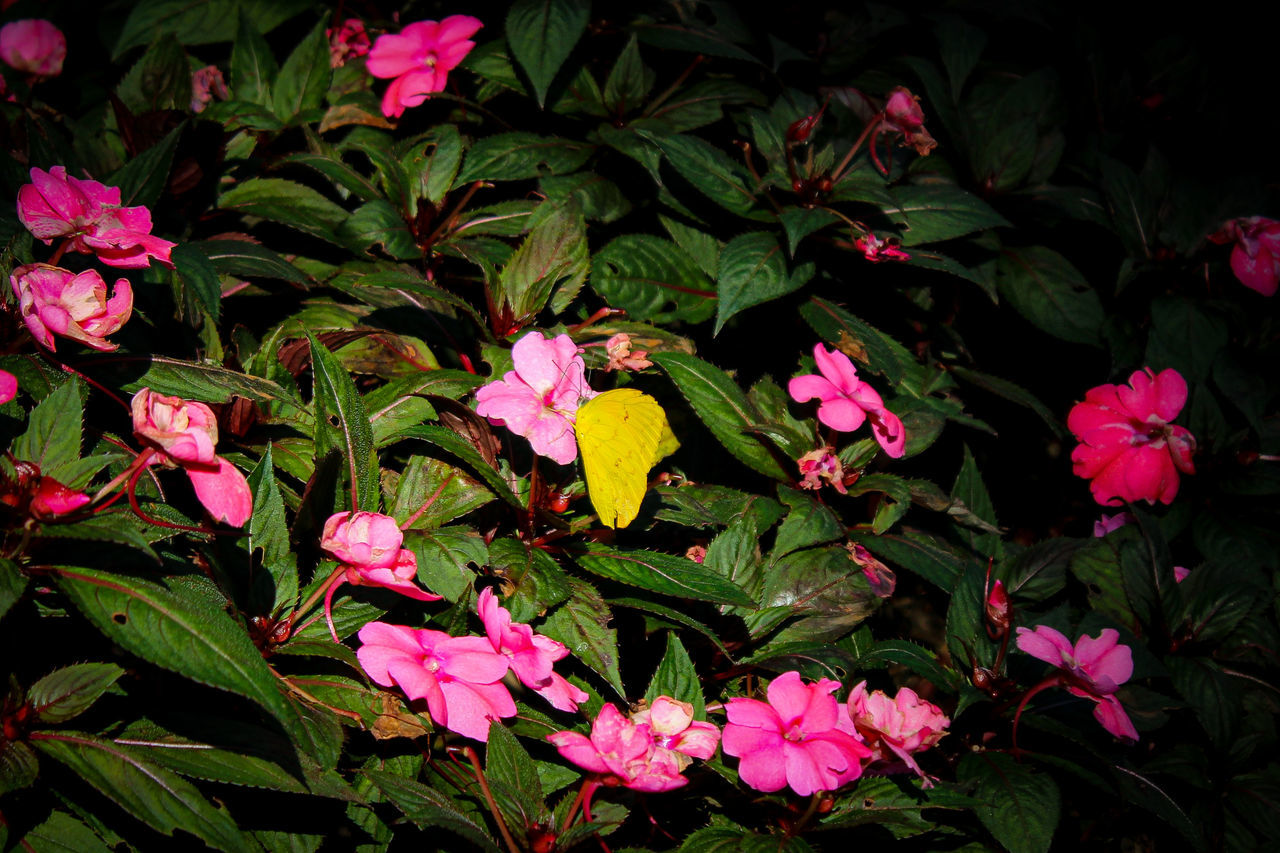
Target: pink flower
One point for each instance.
(368, 546)
(794, 739)
(8, 386)
(1128, 447)
(1092, 669)
(539, 399)
(529, 655)
(896, 728)
(998, 610)
(621, 357)
(1107, 523)
(847, 401)
(1256, 257)
(33, 45)
(459, 677)
(902, 114)
(878, 575)
(184, 433)
(821, 464)
(876, 250)
(53, 499)
(56, 204)
(1181, 573)
(419, 59)
(673, 727)
(349, 41)
(621, 751)
(53, 301)
(207, 83)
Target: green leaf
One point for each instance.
(652, 279)
(200, 21)
(429, 808)
(1097, 565)
(326, 161)
(450, 442)
(936, 212)
(1215, 699)
(68, 692)
(208, 383)
(431, 165)
(553, 258)
(507, 763)
(676, 677)
(378, 223)
(269, 532)
(1050, 293)
(849, 334)
(160, 80)
(1185, 337)
(709, 170)
(445, 557)
(662, 573)
(19, 766)
(800, 222)
(253, 66)
(629, 81)
(600, 199)
(142, 180)
(535, 580)
(822, 585)
(674, 616)
(240, 257)
(752, 271)
(916, 658)
(1011, 392)
(342, 426)
(104, 527)
(970, 489)
(303, 80)
(52, 438)
(12, 585)
(515, 156)
(187, 635)
(921, 553)
(199, 277)
(541, 35)
(717, 400)
(700, 104)
(288, 203)
(61, 833)
(581, 623)
(724, 839)
(1019, 805)
(808, 522)
(157, 797)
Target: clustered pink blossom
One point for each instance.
(847, 401)
(346, 42)
(183, 434)
(367, 544)
(898, 728)
(34, 46)
(1128, 447)
(1255, 259)
(819, 465)
(1094, 668)
(460, 678)
(420, 58)
(53, 301)
(56, 204)
(539, 399)
(206, 84)
(529, 655)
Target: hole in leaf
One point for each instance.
(119, 618)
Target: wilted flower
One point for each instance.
(1107, 523)
(1256, 257)
(419, 59)
(529, 655)
(902, 114)
(33, 494)
(697, 553)
(54, 301)
(821, 464)
(206, 84)
(1092, 669)
(621, 357)
(896, 728)
(459, 677)
(847, 401)
(349, 41)
(1128, 447)
(876, 250)
(539, 398)
(878, 575)
(34, 46)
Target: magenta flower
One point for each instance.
(459, 677)
(622, 752)
(847, 401)
(183, 434)
(1128, 447)
(8, 386)
(54, 301)
(529, 655)
(1092, 669)
(53, 499)
(419, 59)
(1256, 257)
(347, 42)
(206, 84)
(56, 204)
(539, 398)
(368, 546)
(795, 739)
(896, 728)
(34, 46)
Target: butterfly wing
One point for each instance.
(621, 434)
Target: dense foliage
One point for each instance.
(642, 426)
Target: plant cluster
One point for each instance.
(646, 427)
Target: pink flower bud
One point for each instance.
(53, 499)
(54, 301)
(998, 612)
(8, 386)
(367, 539)
(33, 45)
(185, 431)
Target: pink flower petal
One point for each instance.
(224, 492)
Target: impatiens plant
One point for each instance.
(645, 426)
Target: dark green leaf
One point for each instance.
(253, 66)
(916, 658)
(936, 212)
(535, 580)
(674, 616)
(450, 442)
(1185, 337)
(662, 573)
(922, 553)
(62, 833)
(1020, 806)
(68, 692)
(824, 587)
(709, 170)
(581, 623)
(752, 271)
(800, 222)
(160, 80)
(1214, 698)
(142, 180)
(1011, 392)
(342, 426)
(677, 678)
(629, 81)
(970, 489)
(52, 438)
(1050, 293)
(239, 257)
(199, 277)
(808, 522)
(288, 203)
(269, 532)
(541, 35)
(429, 808)
(445, 557)
(19, 766)
(1038, 572)
(12, 585)
(700, 104)
(507, 763)
(303, 80)
(104, 527)
(200, 21)
(1097, 565)
(515, 156)
(883, 354)
(652, 279)
(552, 259)
(377, 223)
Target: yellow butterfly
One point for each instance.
(622, 434)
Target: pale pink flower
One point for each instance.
(795, 739)
(460, 678)
(876, 250)
(539, 399)
(896, 728)
(529, 655)
(673, 727)
(367, 544)
(56, 204)
(419, 59)
(206, 84)
(1128, 447)
(184, 434)
(622, 752)
(847, 401)
(1256, 257)
(347, 42)
(621, 356)
(34, 46)
(8, 386)
(821, 464)
(1091, 669)
(54, 301)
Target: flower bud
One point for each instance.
(33, 45)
